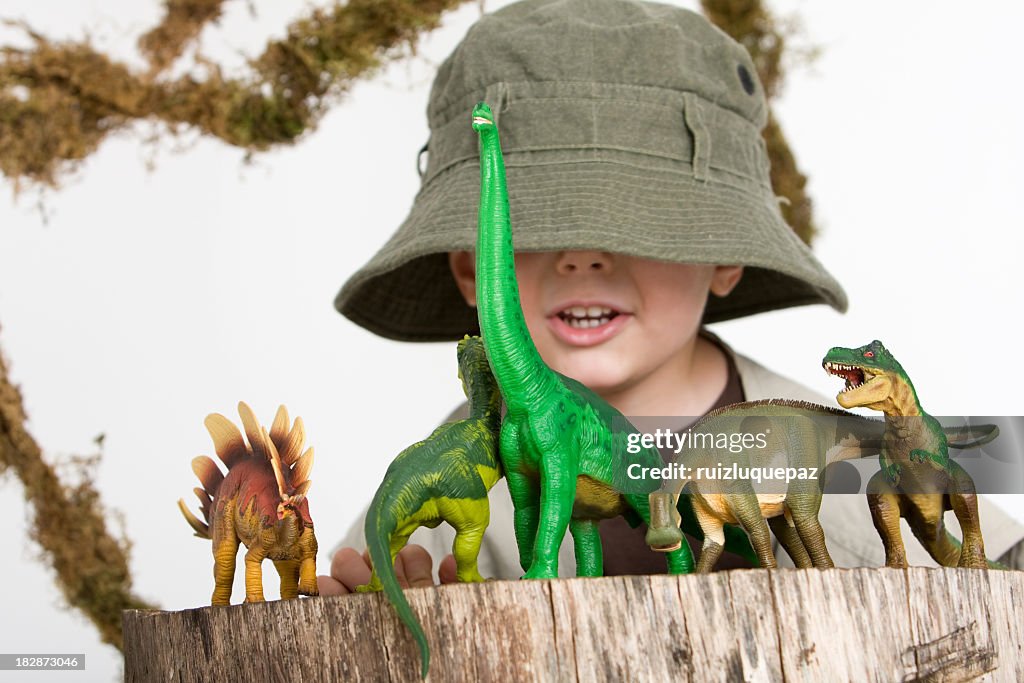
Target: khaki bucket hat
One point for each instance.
(627, 127)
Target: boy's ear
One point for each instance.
(463, 265)
(725, 278)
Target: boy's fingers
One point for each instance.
(328, 585)
(349, 569)
(446, 571)
(418, 566)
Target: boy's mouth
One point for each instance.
(585, 317)
(586, 324)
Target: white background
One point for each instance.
(151, 298)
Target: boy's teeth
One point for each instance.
(585, 317)
(586, 323)
(587, 312)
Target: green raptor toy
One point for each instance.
(561, 444)
(918, 480)
(445, 478)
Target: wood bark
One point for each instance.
(758, 625)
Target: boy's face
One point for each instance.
(608, 320)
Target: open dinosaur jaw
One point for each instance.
(858, 383)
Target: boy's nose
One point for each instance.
(583, 262)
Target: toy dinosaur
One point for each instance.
(558, 447)
(261, 502)
(800, 437)
(918, 481)
(445, 478)
(795, 435)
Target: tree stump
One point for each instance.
(755, 625)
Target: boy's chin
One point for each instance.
(605, 376)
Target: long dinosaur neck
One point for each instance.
(523, 377)
(485, 400)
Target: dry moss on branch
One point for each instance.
(182, 23)
(751, 24)
(69, 524)
(59, 100)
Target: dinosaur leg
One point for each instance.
(884, 502)
(254, 574)
(964, 501)
(784, 530)
(225, 552)
(748, 511)
(470, 522)
(558, 489)
(587, 544)
(288, 570)
(307, 563)
(524, 492)
(804, 506)
(924, 513)
(714, 535)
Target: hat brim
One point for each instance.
(608, 202)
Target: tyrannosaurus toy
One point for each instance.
(789, 442)
(918, 481)
(444, 478)
(558, 441)
(261, 503)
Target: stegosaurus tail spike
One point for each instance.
(227, 440)
(205, 502)
(253, 431)
(202, 530)
(279, 429)
(291, 445)
(209, 474)
(275, 462)
(303, 466)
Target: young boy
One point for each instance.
(641, 208)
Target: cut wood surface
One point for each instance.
(756, 625)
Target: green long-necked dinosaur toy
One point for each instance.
(558, 439)
(444, 478)
(918, 480)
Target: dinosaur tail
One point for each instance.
(970, 436)
(202, 530)
(211, 477)
(381, 523)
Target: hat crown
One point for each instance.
(598, 41)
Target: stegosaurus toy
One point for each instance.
(261, 503)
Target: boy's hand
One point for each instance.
(413, 567)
